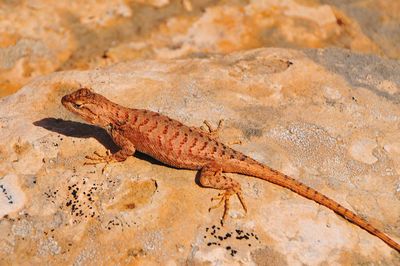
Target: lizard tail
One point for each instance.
(285, 181)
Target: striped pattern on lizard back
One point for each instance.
(175, 144)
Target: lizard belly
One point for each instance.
(172, 158)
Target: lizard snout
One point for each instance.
(65, 100)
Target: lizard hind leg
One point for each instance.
(211, 176)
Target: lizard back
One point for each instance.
(176, 144)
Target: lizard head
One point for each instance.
(90, 106)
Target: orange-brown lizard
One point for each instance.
(177, 145)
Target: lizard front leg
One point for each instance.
(127, 149)
(119, 156)
(213, 133)
(210, 130)
(211, 176)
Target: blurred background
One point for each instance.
(38, 37)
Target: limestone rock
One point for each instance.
(321, 116)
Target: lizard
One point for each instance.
(180, 146)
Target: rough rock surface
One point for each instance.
(326, 117)
(38, 38)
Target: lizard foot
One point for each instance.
(97, 158)
(238, 142)
(210, 130)
(214, 132)
(224, 198)
(211, 176)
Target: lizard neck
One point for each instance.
(113, 115)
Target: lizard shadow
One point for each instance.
(81, 130)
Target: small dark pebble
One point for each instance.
(239, 231)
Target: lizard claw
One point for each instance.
(224, 198)
(235, 142)
(97, 158)
(241, 199)
(221, 201)
(214, 132)
(210, 130)
(218, 197)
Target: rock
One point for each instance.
(378, 20)
(38, 38)
(13, 198)
(312, 114)
(362, 150)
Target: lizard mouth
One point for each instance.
(64, 100)
(68, 104)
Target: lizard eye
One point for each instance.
(77, 105)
